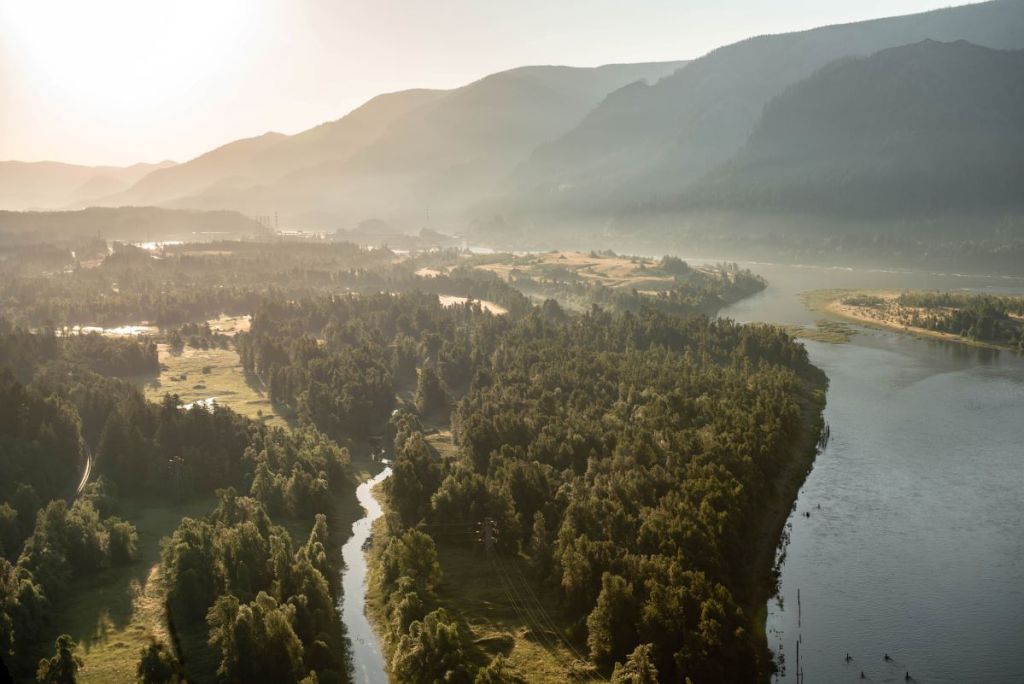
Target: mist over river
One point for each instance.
(917, 549)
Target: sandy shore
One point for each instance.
(885, 320)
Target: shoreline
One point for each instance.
(362, 530)
(764, 577)
(815, 300)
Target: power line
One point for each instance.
(545, 615)
(544, 621)
(519, 606)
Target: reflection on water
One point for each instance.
(917, 548)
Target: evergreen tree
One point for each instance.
(638, 668)
(63, 667)
(157, 665)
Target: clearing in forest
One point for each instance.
(113, 614)
(211, 375)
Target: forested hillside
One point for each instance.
(132, 224)
(398, 154)
(929, 128)
(648, 142)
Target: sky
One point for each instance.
(124, 81)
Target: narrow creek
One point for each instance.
(366, 656)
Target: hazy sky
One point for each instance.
(120, 81)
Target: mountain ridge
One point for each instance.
(928, 128)
(655, 140)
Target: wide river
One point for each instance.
(915, 541)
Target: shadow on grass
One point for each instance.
(112, 613)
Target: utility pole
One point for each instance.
(487, 534)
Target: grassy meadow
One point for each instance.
(113, 614)
(198, 374)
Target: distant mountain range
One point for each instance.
(648, 142)
(49, 185)
(401, 156)
(875, 120)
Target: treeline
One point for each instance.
(186, 284)
(123, 223)
(268, 607)
(984, 318)
(690, 291)
(423, 642)
(22, 351)
(987, 318)
(44, 542)
(956, 300)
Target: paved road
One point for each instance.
(85, 473)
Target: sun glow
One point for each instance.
(123, 55)
(122, 63)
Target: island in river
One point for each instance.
(980, 319)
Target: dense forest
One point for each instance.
(629, 457)
(58, 415)
(636, 461)
(122, 223)
(184, 284)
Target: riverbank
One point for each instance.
(769, 542)
(902, 414)
(368, 664)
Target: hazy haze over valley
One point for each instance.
(504, 343)
(738, 141)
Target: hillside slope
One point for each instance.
(441, 156)
(649, 141)
(244, 163)
(919, 129)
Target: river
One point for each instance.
(367, 659)
(915, 541)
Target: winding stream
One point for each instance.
(366, 656)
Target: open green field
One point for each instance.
(441, 441)
(113, 614)
(217, 374)
(508, 613)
